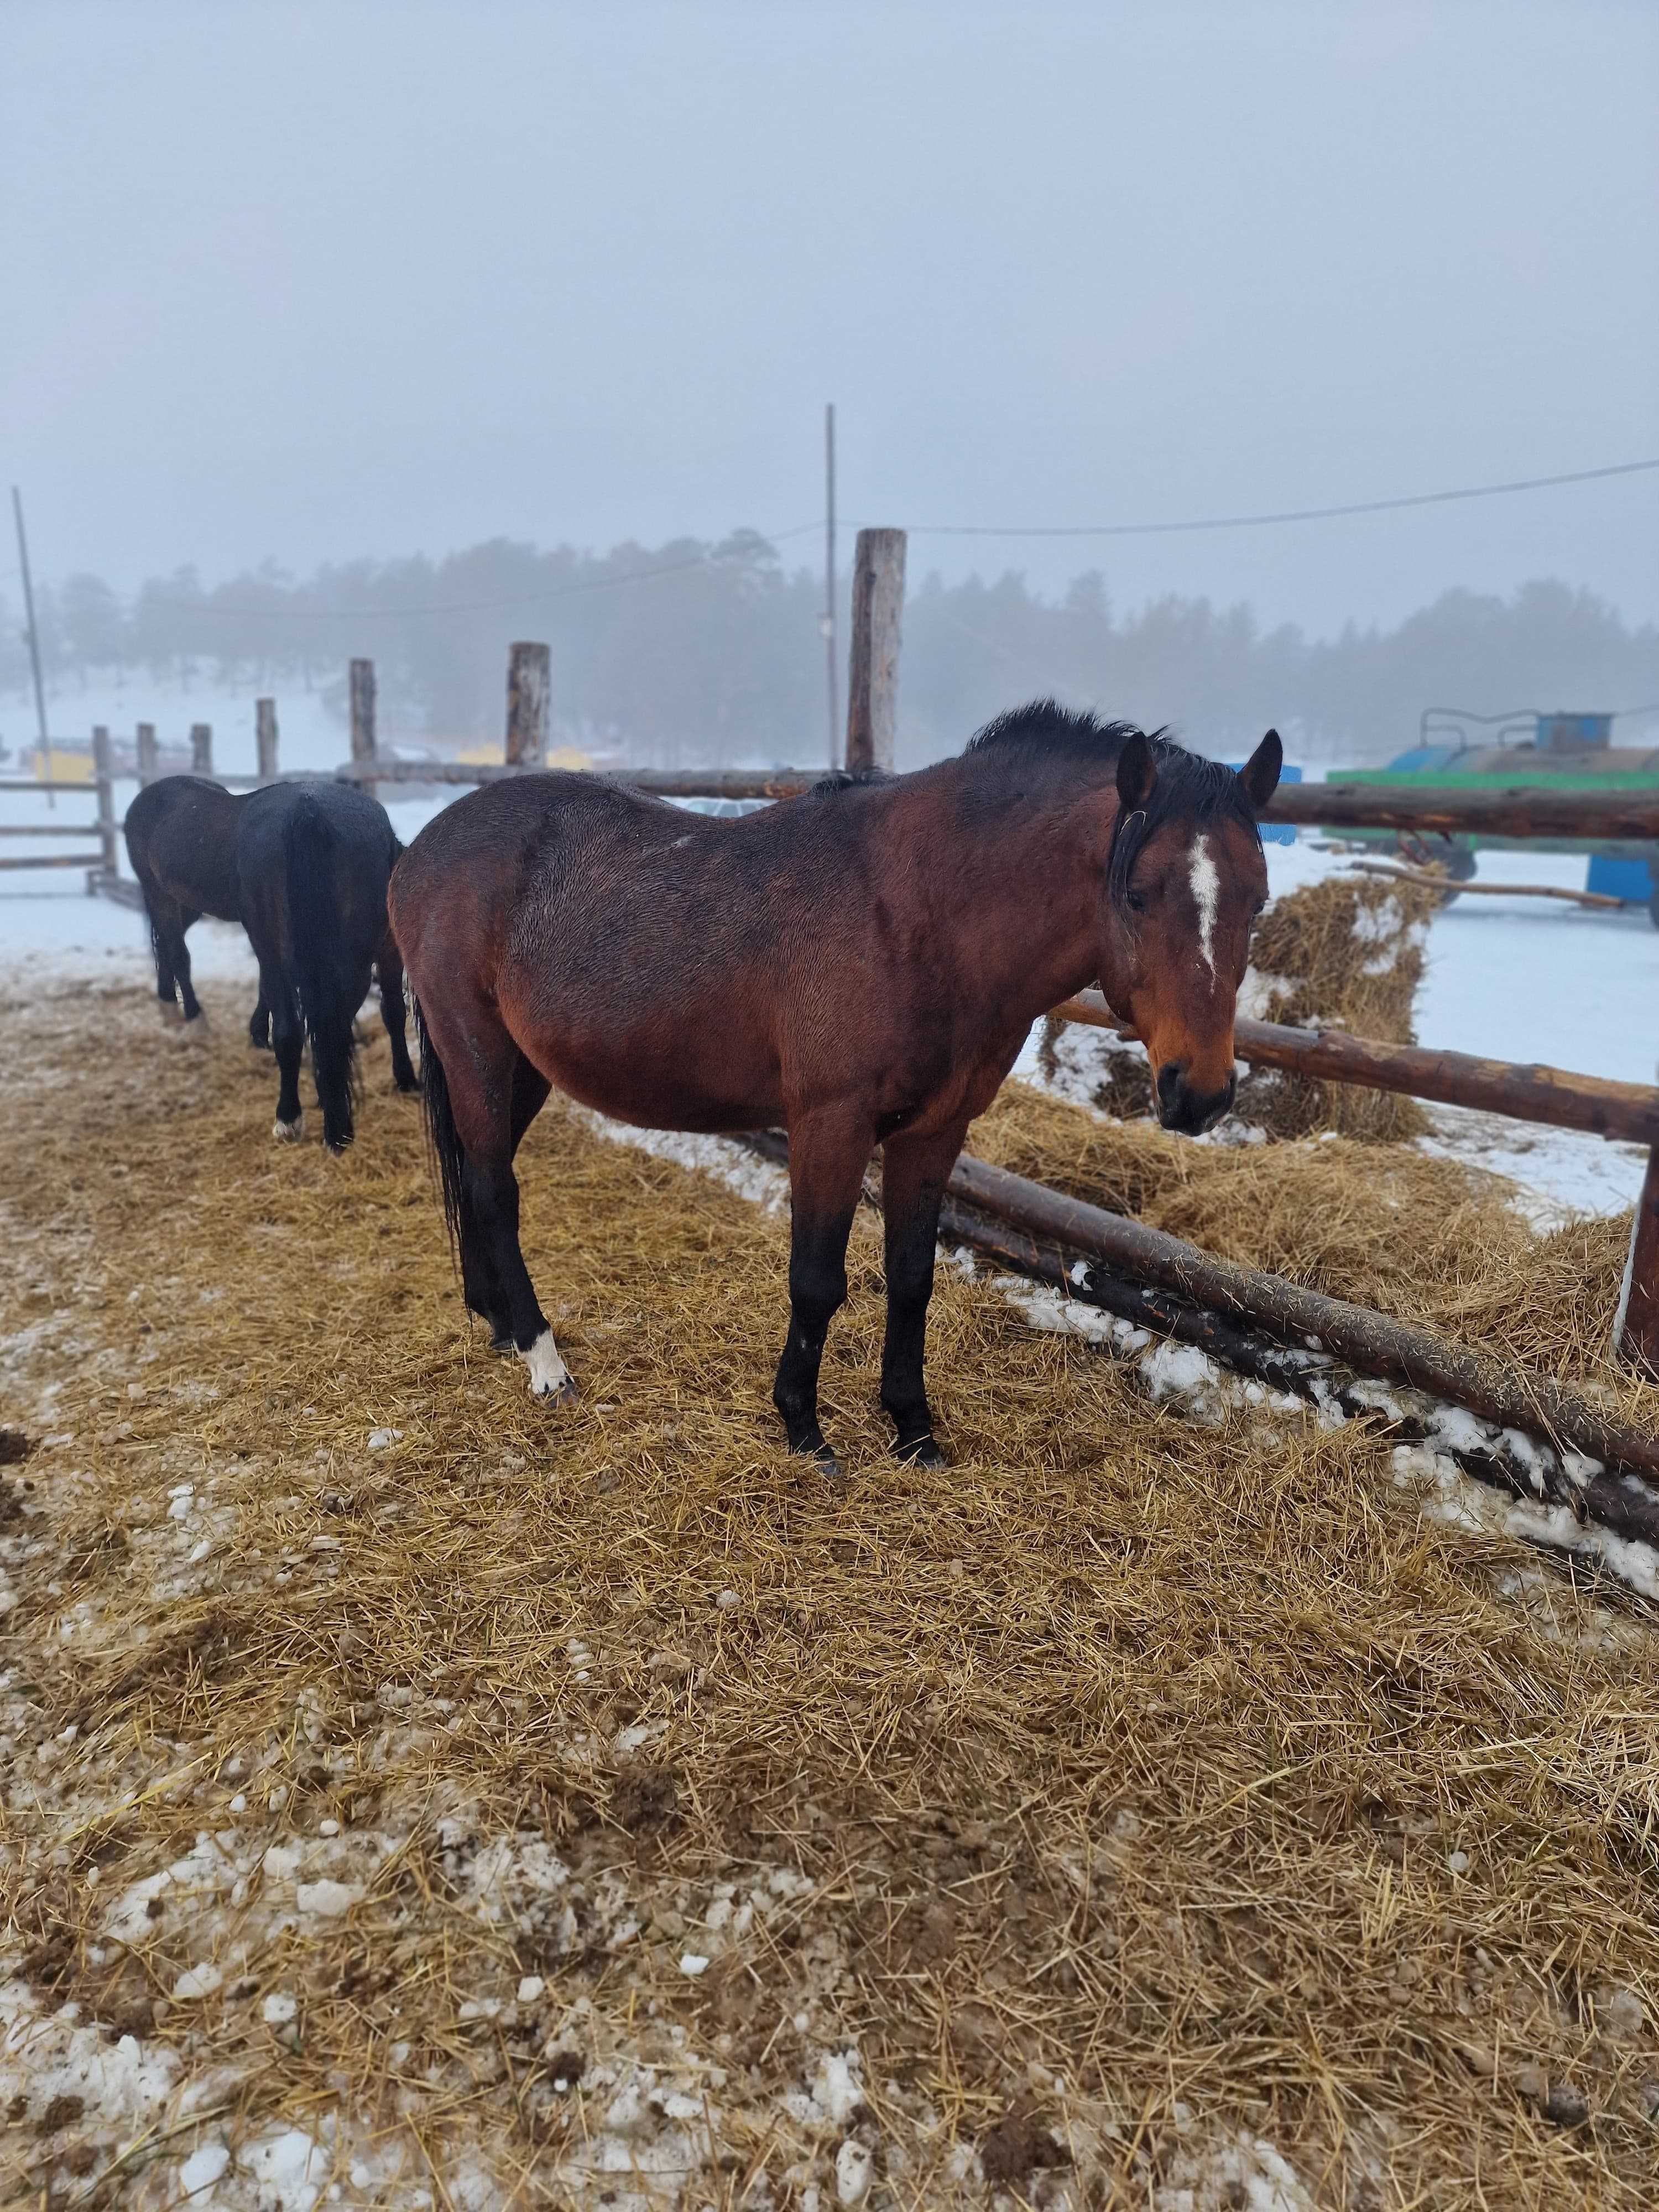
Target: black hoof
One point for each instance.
(821, 1457)
(921, 1451)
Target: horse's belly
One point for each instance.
(695, 1084)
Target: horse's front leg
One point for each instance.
(915, 1171)
(827, 1160)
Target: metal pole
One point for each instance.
(827, 624)
(34, 643)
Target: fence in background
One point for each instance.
(1552, 1096)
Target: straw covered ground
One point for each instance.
(410, 1796)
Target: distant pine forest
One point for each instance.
(694, 653)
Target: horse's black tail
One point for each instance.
(324, 969)
(442, 1135)
(165, 989)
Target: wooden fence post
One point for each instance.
(363, 710)
(104, 777)
(264, 739)
(201, 748)
(146, 751)
(529, 679)
(1636, 1331)
(872, 671)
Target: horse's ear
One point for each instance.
(1137, 772)
(1260, 774)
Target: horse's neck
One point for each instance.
(1029, 889)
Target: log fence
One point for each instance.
(1061, 1239)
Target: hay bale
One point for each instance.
(1346, 953)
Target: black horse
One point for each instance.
(312, 865)
(181, 842)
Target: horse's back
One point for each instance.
(472, 864)
(181, 836)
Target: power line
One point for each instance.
(942, 530)
(1283, 514)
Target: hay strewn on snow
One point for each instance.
(1176, 1801)
(1425, 1239)
(1345, 953)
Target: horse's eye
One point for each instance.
(1136, 903)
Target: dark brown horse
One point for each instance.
(181, 840)
(861, 965)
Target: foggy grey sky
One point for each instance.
(313, 281)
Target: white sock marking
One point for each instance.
(1206, 892)
(288, 1133)
(547, 1372)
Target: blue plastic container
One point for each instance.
(1619, 879)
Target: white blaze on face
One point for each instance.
(1206, 894)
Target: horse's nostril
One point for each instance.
(1168, 1083)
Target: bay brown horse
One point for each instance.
(861, 965)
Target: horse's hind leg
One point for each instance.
(915, 1171)
(167, 924)
(258, 1027)
(493, 1094)
(827, 1160)
(288, 1038)
(389, 966)
(179, 958)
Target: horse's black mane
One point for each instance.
(1057, 732)
(1189, 789)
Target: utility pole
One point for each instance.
(828, 624)
(34, 642)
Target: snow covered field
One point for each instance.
(1512, 979)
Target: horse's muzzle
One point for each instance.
(1183, 1107)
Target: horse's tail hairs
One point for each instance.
(327, 1000)
(443, 1141)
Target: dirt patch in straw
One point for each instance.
(608, 1809)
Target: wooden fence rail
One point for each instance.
(1525, 811)
(1525, 1091)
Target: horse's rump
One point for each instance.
(314, 860)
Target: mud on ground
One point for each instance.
(410, 1795)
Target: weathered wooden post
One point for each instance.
(146, 753)
(201, 748)
(529, 679)
(104, 777)
(873, 669)
(264, 739)
(363, 710)
(1636, 1331)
